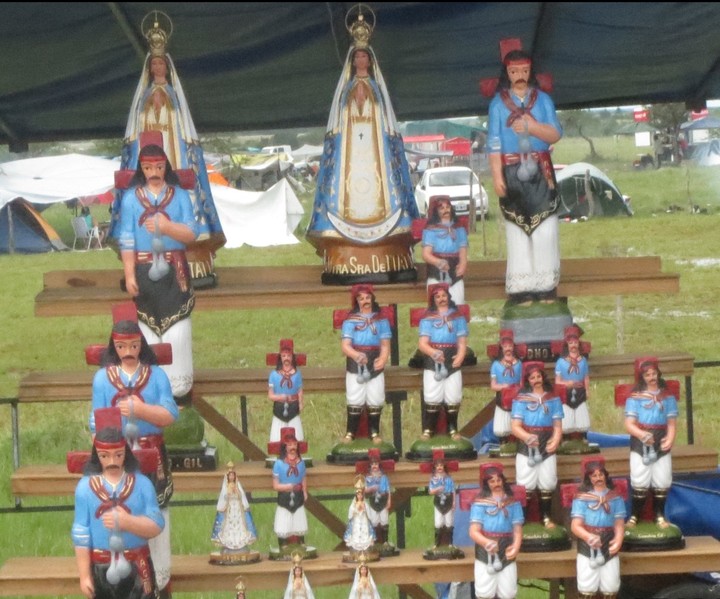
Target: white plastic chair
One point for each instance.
(84, 233)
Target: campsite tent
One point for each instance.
(258, 219)
(23, 230)
(51, 179)
(574, 203)
(707, 153)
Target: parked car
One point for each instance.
(453, 181)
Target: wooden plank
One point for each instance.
(54, 480)
(75, 293)
(77, 386)
(244, 275)
(47, 576)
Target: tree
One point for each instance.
(573, 121)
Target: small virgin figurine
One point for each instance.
(359, 534)
(363, 584)
(298, 586)
(234, 529)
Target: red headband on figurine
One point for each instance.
(489, 469)
(153, 159)
(518, 62)
(287, 345)
(108, 418)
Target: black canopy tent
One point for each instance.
(69, 69)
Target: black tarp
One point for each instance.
(69, 69)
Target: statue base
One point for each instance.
(201, 260)
(648, 536)
(184, 441)
(234, 558)
(536, 324)
(577, 447)
(422, 449)
(386, 549)
(439, 552)
(357, 451)
(285, 554)
(506, 450)
(201, 459)
(390, 261)
(537, 538)
(354, 556)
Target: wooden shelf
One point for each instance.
(46, 576)
(77, 386)
(82, 292)
(54, 480)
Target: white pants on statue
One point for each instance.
(605, 578)
(533, 261)
(160, 552)
(179, 336)
(502, 585)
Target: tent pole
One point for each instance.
(11, 232)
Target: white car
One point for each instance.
(453, 181)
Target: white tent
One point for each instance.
(258, 219)
(307, 153)
(51, 179)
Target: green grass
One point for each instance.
(688, 322)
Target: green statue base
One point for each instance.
(385, 549)
(443, 552)
(357, 451)
(537, 538)
(285, 553)
(186, 447)
(649, 536)
(422, 450)
(505, 450)
(537, 324)
(577, 447)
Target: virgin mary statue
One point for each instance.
(159, 104)
(364, 203)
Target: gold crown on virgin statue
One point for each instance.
(157, 36)
(360, 29)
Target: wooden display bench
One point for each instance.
(82, 292)
(77, 385)
(48, 576)
(54, 480)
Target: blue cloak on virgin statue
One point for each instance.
(159, 104)
(364, 203)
